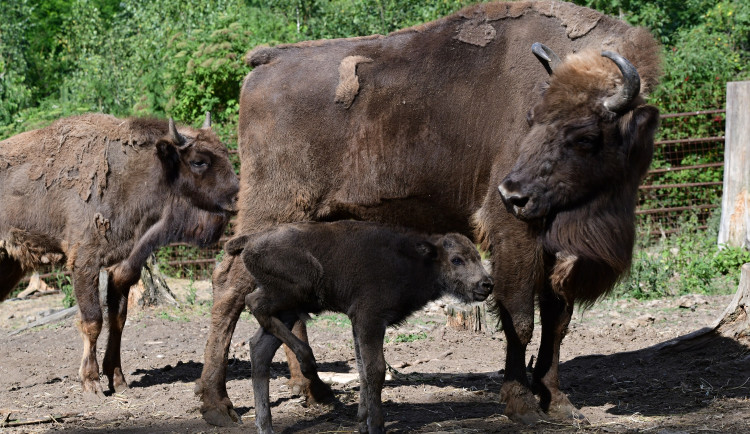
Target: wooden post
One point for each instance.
(735, 203)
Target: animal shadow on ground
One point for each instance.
(661, 380)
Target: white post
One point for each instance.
(735, 203)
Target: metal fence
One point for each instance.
(685, 182)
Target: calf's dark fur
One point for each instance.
(377, 276)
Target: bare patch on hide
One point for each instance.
(69, 154)
(348, 87)
(578, 21)
(471, 32)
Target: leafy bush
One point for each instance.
(685, 263)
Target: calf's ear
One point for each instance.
(427, 249)
(236, 245)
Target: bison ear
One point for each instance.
(236, 245)
(427, 249)
(638, 129)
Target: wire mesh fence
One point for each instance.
(685, 180)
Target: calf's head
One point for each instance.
(461, 272)
(197, 167)
(590, 136)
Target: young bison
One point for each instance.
(96, 191)
(375, 275)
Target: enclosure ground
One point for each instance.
(444, 380)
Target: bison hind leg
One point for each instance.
(11, 272)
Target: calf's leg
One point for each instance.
(85, 284)
(368, 347)
(263, 346)
(313, 389)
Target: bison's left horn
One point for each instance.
(173, 134)
(207, 122)
(631, 85)
(549, 59)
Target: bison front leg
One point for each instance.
(86, 283)
(231, 283)
(118, 287)
(555, 316)
(513, 296)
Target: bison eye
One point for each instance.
(198, 164)
(457, 261)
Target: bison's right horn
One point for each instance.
(631, 85)
(173, 134)
(207, 122)
(549, 59)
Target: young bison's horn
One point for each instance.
(631, 85)
(207, 122)
(549, 59)
(173, 134)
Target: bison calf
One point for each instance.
(375, 275)
(96, 191)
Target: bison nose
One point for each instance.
(511, 197)
(484, 289)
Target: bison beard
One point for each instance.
(439, 122)
(106, 192)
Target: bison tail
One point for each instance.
(261, 55)
(236, 245)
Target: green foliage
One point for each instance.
(65, 284)
(689, 262)
(408, 337)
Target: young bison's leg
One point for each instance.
(118, 288)
(263, 346)
(269, 309)
(368, 347)
(85, 283)
(231, 282)
(10, 274)
(555, 317)
(313, 389)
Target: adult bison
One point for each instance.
(95, 191)
(420, 128)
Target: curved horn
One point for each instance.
(631, 85)
(207, 122)
(173, 134)
(545, 55)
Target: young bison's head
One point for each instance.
(198, 167)
(590, 137)
(461, 271)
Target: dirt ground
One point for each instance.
(443, 380)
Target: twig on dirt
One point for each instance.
(51, 418)
(57, 316)
(740, 386)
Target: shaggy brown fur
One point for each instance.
(96, 191)
(439, 122)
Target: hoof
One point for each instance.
(92, 392)
(225, 418)
(521, 405)
(315, 392)
(564, 411)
